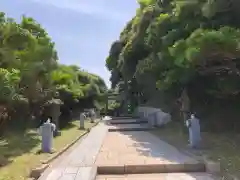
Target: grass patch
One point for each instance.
(18, 151)
(223, 148)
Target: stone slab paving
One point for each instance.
(164, 176)
(79, 164)
(138, 151)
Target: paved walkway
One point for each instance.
(127, 154)
(135, 153)
(138, 147)
(78, 165)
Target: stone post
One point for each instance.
(46, 131)
(82, 119)
(194, 131)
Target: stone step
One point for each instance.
(128, 122)
(166, 176)
(151, 168)
(128, 127)
(122, 117)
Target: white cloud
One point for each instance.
(95, 8)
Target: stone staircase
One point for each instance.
(109, 152)
(130, 152)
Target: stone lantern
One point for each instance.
(55, 112)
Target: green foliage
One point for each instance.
(176, 44)
(30, 72)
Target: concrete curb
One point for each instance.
(36, 172)
(151, 168)
(211, 166)
(214, 167)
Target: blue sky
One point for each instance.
(83, 30)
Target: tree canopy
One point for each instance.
(171, 45)
(31, 76)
